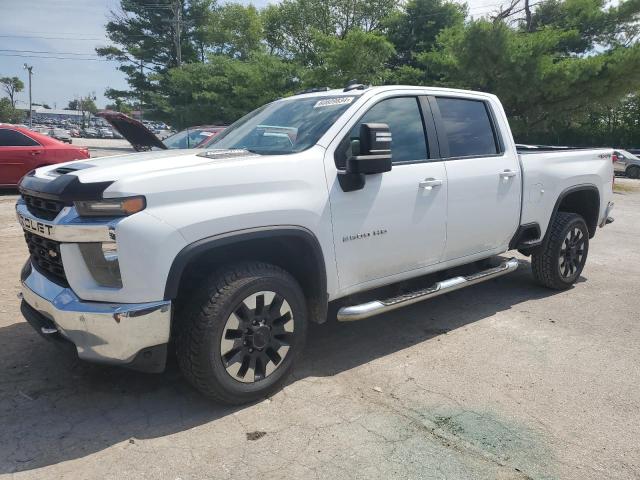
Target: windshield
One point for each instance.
(285, 126)
(187, 138)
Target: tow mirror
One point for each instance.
(375, 150)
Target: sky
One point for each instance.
(58, 38)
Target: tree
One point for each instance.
(11, 86)
(414, 29)
(235, 30)
(8, 113)
(540, 85)
(292, 26)
(144, 33)
(222, 90)
(360, 56)
(85, 104)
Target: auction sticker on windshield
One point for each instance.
(330, 102)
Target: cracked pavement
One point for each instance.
(503, 380)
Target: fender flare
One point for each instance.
(576, 188)
(198, 247)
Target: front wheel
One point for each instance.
(561, 259)
(241, 332)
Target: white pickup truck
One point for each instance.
(228, 253)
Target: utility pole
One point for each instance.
(29, 69)
(177, 18)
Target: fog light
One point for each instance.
(102, 261)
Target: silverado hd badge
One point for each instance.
(359, 236)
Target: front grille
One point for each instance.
(42, 207)
(46, 257)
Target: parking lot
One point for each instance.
(103, 147)
(503, 380)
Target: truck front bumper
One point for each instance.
(130, 335)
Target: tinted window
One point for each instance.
(11, 138)
(468, 127)
(402, 114)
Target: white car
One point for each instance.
(229, 253)
(627, 163)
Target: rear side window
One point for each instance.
(468, 127)
(12, 138)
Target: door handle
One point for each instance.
(508, 174)
(35, 152)
(429, 183)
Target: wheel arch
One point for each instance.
(293, 248)
(583, 200)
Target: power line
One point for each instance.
(42, 51)
(56, 58)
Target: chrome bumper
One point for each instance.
(101, 332)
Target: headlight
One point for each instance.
(102, 261)
(110, 207)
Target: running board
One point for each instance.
(376, 307)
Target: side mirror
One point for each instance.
(375, 150)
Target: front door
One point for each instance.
(396, 223)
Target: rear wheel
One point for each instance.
(560, 261)
(242, 332)
(633, 171)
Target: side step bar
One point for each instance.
(376, 307)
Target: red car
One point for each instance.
(22, 150)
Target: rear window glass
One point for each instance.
(468, 127)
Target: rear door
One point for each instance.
(484, 177)
(396, 223)
(18, 155)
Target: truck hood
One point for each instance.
(139, 136)
(111, 169)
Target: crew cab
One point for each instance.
(315, 203)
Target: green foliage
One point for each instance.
(11, 86)
(224, 89)
(537, 82)
(567, 73)
(235, 30)
(414, 29)
(292, 27)
(358, 56)
(9, 114)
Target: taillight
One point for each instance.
(614, 158)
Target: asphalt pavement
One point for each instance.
(502, 380)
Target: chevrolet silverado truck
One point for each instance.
(315, 203)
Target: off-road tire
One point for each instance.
(633, 171)
(201, 325)
(545, 262)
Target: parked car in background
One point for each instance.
(105, 132)
(60, 134)
(193, 137)
(89, 133)
(142, 138)
(627, 163)
(22, 150)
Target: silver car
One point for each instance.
(627, 163)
